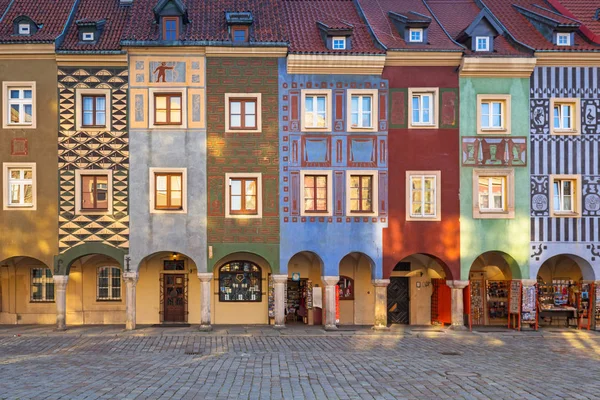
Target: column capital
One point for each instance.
(205, 276)
(330, 280)
(528, 282)
(279, 278)
(457, 284)
(132, 276)
(596, 282)
(380, 282)
(61, 281)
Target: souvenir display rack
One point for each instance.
(514, 305)
(555, 300)
(596, 301)
(271, 298)
(477, 310)
(497, 301)
(585, 305)
(529, 312)
(299, 300)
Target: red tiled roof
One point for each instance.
(456, 15)
(116, 18)
(550, 14)
(376, 13)
(301, 19)
(524, 32)
(51, 14)
(584, 11)
(208, 21)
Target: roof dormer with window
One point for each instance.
(238, 26)
(171, 16)
(336, 37)
(25, 26)
(89, 31)
(412, 26)
(556, 28)
(480, 34)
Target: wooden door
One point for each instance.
(441, 301)
(398, 301)
(174, 298)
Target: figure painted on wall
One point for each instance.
(161, 71)
(492, 160)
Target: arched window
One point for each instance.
(346, 288)
(108, 283)
(240, 281)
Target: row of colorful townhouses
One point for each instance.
(321, 162)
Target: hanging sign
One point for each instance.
(296, 276)
(515, 297)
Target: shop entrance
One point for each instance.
(489, 289)
(297, 302)
(174, 298)
(398, 309)
(566, 293)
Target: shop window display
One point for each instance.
(346, 288)
(240, 281)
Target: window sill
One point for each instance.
(244, 130)
(422, 126)
(93, 212)
(479, 214)
(361, 214)
(316, 129)
(11, 207)
(492, 131)
(565, 214)
(109, 301)
(243, 216)
(41, 301)
(564, 132)
(423, 219)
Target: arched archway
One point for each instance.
(490, 276)
(565, 282)
(418, 294)
(243, 290)
(305, 289)
(64, 261)
(356, 292)
(28, 291)
(167, 291)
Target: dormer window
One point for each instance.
(24, 29)
(170, 28)
(88, 36)
(239, 33)
(90, 30)
(416, 35)
(563, 39)
(338, 43)
(482, 43)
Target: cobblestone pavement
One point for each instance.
(257, 363)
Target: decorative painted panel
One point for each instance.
(316, 151)
(492, 151)
(448, 104)
(398, 108)
(362, 151)
(107, 150)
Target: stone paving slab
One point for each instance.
(109, 363)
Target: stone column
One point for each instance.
(279, 282)
(380, 303)
(60, 283)
(205, 294)
(131, 279)
(330, 282)
(458, 305)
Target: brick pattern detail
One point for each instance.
(93, 150)
(242, 152)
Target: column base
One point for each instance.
(457, 328)
(380, 328)
(61, 329)
(331, 327)
(205, 328)
(279, 326)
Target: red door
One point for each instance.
(441, 298)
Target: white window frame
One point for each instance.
(562, 35)
(329, 175)
(184, 188)
(21, 85)
(87, 36)
(24, 28)
(259, 194)
(415, 30)
(576, 196)
(374, 194)
(110, 284)
(78, 174)
(44, 281)
(233, 96)
(508, 211)
(486, 39)
(328, 110)
(434, 93)
(505, 102)
(361, 93)
(79, 94)
(152, 106)
(338, 39)
(437, 176)
(6, 167)
(575, 105)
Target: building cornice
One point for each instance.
(423, 58)
(104, 60)
(509, 67)
(567, 59)
(27, 51)
(334, 64)
(174, 50)
(246, 51)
